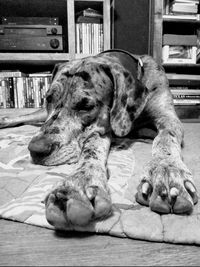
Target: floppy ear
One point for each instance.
(129, 100)
(56, 68)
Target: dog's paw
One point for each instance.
(71, 205)
(167, 188)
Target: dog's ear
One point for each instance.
(129, 100)
(55, 70)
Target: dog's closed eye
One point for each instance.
(85, 104)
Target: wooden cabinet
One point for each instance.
(183, 75)
(63, 9)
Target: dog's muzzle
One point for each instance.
(46, 151)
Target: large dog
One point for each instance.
(89, 101)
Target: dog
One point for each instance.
(89, 101)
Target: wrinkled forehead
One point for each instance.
(79, 77)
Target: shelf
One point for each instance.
(37, 58)
(183, 18)
(183, 66)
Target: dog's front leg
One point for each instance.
(30, 118)
(84, 196)
(167, 184)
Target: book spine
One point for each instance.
(186, 96)
(36, 91)
(8, 74)
(12, 94)
(1, 95)
(20, 92)
(77, 38)
(185, 91)
(3, 89)
(186, 101)
(16, 93)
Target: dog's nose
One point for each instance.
(40, 145)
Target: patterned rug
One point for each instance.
(23, 187)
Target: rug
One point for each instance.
(23, 187)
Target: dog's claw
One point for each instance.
(145, 188)
(189, 186)
(192, 191)
(174, 192)
(163, 193)
(143, 194)
(91, 192)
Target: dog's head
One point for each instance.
(95, 95)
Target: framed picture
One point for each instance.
(179, 54)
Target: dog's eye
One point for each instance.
(85, 105)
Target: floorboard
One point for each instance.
(27, 245)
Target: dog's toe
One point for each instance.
(160, 205)
(78, 212)
(182, 205)
(100, 200)
(54, 215)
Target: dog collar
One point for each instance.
(127, 59)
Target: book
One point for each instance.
(189, 92)
(177, 40)
(11, 92)
(11, 73)
(184, 7)
(172, 16)
(184, 80)
(176, 76)
(183, 96)
(186, 101)
(2, 93)
(40, 74)
(186, 1)
(84, 19)
(89, 12)
(179, 54)
(198, 45)
(184, 91)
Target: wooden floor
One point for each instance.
(27, 245)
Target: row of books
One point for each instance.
(23, 91)
(89, 38)
(89, 31)
(185, 88)
(185, 96)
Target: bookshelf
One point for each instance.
(28, 91)
(183, 74)
(63, 9)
